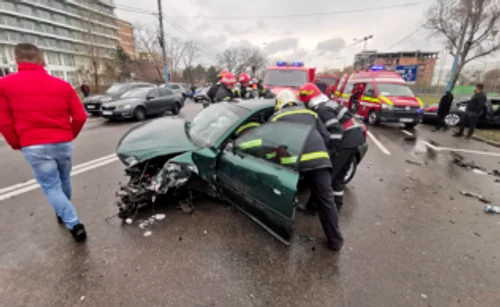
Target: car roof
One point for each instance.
(255, 104)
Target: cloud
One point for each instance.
(281, 45)
(329, 46)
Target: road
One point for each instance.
(411, 238)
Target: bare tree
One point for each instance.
(191, 53)
(149, 50)
(228, 59)
(176, 49)
(245, 59)
(468, 26)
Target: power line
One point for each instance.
(406, 37)
(250, 17)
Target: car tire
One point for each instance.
(352, 170)
(410, 125)
(140, 114)
(373, 118)
(177, 108)
(452, 119)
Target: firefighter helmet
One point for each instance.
(285, 98)
(228, 79)
(244, 77)
(308, 91)
(222, 73)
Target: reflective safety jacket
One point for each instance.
(246, 127)
(345, 131)
(223, 94)
(316, 152)
(212, 91)
(244, 93)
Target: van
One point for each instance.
(385, 97)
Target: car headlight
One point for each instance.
(106, 99)
(131, 161)
(387, 107)
(126, 107)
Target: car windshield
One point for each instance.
(117, 89)
(137, 93)
(211, 123)
(330, 81)
(396, 90)
(174, 86)
(282, 77)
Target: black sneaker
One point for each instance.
(79, 233)
(59, 219)
(336, 247)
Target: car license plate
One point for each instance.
(90, 107)
(406, 120)
(107, 113)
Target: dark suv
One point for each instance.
(93, 103)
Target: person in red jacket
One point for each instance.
(41, 115)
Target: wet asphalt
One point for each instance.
(411, 238)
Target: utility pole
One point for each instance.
(162, 43)
(365, 42)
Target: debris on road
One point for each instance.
(205, 232)
(475, 195)
(160, 216)
(495, 173)
(462, 162)
(185, 207)
(148, 233)
(413, 162)
(497, 180)
(129, 221)
(423, 295)
(452, 221)
(477, 234)
(492, 209)
(479, 172)
(411, 178)
(392, 230)
(82, 298)
(306, 238)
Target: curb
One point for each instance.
(483, 140)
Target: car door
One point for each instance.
(167, 99)
(251, 176)
(153, 101)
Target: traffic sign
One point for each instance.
(408, 73)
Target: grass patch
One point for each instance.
(489, 134)
(429, 100)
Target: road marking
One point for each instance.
(379, 144)
(30, 185)
(407, 132)
(477, 152)
(430, 146)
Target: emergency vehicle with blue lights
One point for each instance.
(286, 75)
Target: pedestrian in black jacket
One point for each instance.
(474, 109)
(443, 110)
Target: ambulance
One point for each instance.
(385, 97)
(286, 75)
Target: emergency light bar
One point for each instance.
(298, 64)
(281, 64)
(377, 67)
(285, 64)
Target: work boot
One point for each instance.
(78, 232)
(458, 134)
(335, 246)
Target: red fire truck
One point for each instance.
(287, 76)
(385, 97)
(332, 82)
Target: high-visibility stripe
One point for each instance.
(227, 98)
(346, 95)
(370, 99)
(271, 155)
(303, 111)
(335, 136)
(340, 193)
(337, 93)
(420, 102)
(250, 144)
(306, 157)
(386, 100)
(332, 121)
(246, 126)
(342, 113)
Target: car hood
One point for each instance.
(98, 98)
(403, 101)
(163, 136)
(124, 101)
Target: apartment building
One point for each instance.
(126, 37)
(74, 34)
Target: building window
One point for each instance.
(28, 24)
(9, 6)
(59, 18)
(42, 42)
(11, 21)
(69, 60)
(58, 5)
(24, 9)
(53, 58)
(45, 14)
(57, 73)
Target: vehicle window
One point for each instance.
(137, 93)
(280, 143)
(281, 77)
(165, 92)
(399, 90)
(369, 90)
(117, 89)
(154, 93)
(329, 81)
(212, 123)
(322, 86)
(175, 86)
(348, 88)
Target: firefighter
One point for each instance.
(225, 90)
(346, 135)
(355, 98)
(213, 89)
(314, 163)
(244, 92)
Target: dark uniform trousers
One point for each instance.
(341, 164)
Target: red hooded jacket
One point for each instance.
(37, 108)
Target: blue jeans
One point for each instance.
(51, 164)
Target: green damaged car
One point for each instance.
(176, 158)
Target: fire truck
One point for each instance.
(331, 81)
(286, 75)
(380, 96)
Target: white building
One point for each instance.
(70, 32)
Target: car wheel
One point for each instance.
(177, 109)
(140, 114)
(452, 119)
(352, 170)
(410, 125)
(373, 118)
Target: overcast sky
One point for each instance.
(318, 39)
